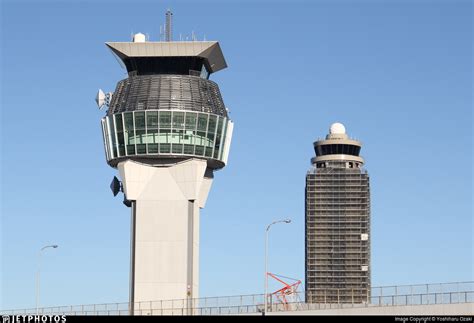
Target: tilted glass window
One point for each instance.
(140, 132)
(191, 119)
(165, 132)
(129, 133)
(218, 139)
(178, 120)
(110, 123)
(120, 138)
(202, 122)
(165, 119)
(212, 124)
(152, 119)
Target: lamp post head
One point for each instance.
(49, 246)
(279, 221)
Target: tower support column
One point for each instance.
(165, 242)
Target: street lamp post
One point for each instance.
(38, 275)
(266, 261)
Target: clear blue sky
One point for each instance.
(397, 74)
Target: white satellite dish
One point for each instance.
(103, 99)
(100, 98)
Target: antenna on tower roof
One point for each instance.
(169, 26)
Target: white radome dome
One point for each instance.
(139, 38)
(337, 129)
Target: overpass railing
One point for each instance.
(401, 295)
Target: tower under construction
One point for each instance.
(337, 222)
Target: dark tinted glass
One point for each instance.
(332, 149)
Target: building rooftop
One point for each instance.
(208, 50)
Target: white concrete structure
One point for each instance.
(165, 215)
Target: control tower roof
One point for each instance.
(337, 146)
(208, 50)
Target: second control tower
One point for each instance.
(166, 130)
(337, 222)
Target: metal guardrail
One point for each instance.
(401, 295)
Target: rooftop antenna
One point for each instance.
(169, 26)
(161, 32)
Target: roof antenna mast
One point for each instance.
(169, 26)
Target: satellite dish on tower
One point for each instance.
(115, 186)
(103, 99)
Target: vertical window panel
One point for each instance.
(218, 139)
(191, 119)
(224, 134)
(140, 120)
(152, 119)
(165, 120)
(178, 120)
(188, 137)
(120, 134)
(202, 122)
(105, 135)
(164, 136)
(110, 122)
(140, 132)
(175, 136)
(212, 124)
(152, 136)
(129, 133)
(200, 138)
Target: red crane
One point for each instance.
(288, 294)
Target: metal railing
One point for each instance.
(401, 295)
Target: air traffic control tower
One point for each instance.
(166, 130)
(337, 222)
